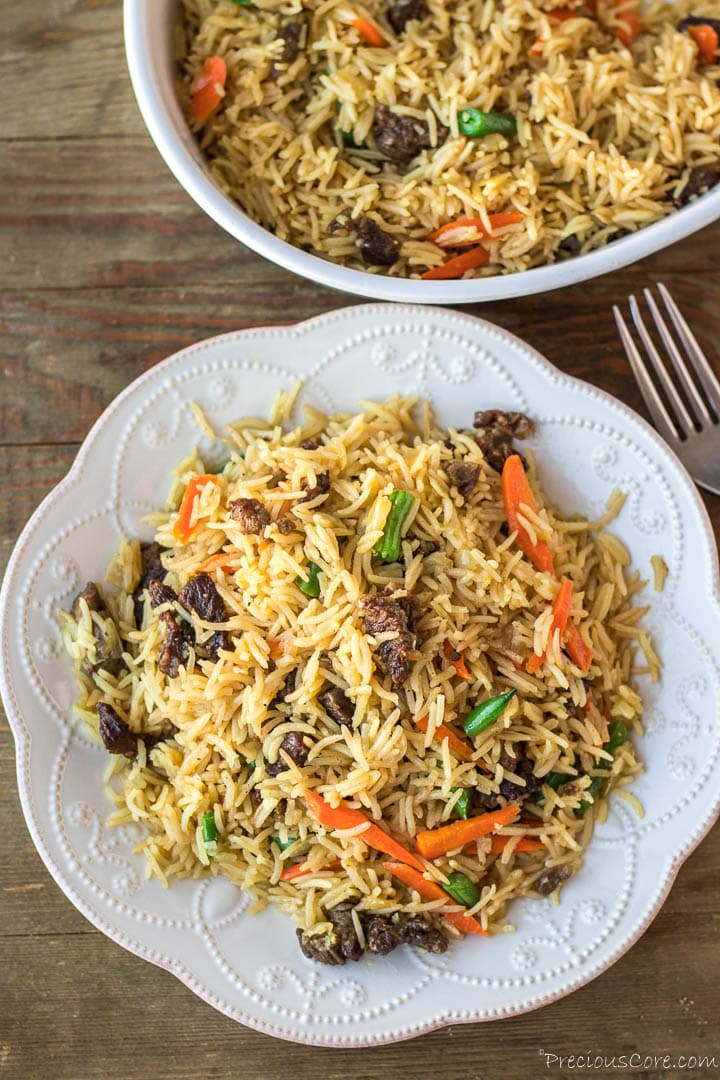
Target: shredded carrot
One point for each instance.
(525, 843)
(182, 529)
(302, 869)
(429, 890)
(276, 647)
(516, 492)
(706, 39)
(456, 659)
(221, 561)
(435, 842)
(467, 231)
(459, 747)
(577, 649)
(370, 33)
(455, 268)
(208, 88)
(628, 27)
(344, 817)
(561, 614)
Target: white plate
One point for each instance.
(251, 967)
(149, 43)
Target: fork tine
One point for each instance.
(699, 361)
(683, 419)
(652, 399)
(686, 380)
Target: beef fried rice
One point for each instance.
(367, 673)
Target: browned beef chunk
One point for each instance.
(321, 487)
(376, 247)
(108, 651)
(549, 880)
(400, 14)
(382, 934)
(337, 705)
(152, 570)
(201, 596)
(401, 138)
(496, 431)
(91, 595)
(463, 475)
(294, 746)
(700, 180)
(161, 594)
(179, 638)
(336, 945)
(287, 688)
(293, 35)
(309, 444)
(286, 525)
(510, 791)
(116, 735)
(387, 611)
(251, 516)
(420, 931)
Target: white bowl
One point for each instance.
(148, 41)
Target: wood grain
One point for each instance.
(107, 268)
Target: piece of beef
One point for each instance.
(337, 944)
(152, 570)
(401, 138)
(463, 475)
(700, 180)
(294, 746)
(509, 790)
(497, 430)
(338, 705)
(377, 248)
(321, 487)
(251, 515)
(287, 688)
(201, 596)
(286, 525)
(549, 880)
(116, 735)
(179, 638)
(382, 934)
(387, 611)
(309, 444)
(108, 650)
(161, 594)
(293, 34)
(420, 931)
(399, 14)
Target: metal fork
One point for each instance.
(685, 409)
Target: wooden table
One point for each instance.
(106, 268)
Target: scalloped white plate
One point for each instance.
(250, 967)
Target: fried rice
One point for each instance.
(610, 136)
(215, 754)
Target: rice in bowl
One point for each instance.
(312, 128)
(344, 676)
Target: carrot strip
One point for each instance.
(628, 27)
(182, 529)
(525, 843)
(221, 561)
(370, 33)
(577, 649)
(516, 491)
(706, 39)
(455, 268)
(456, 233)
(561, 614)
(430, 891)
(276, 647)
(208, 88)
(459, 747)
(435, 842)
(456, 659)
(302, 869)
(344, 817)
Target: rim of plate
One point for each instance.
(171, 135)
(177, 967)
